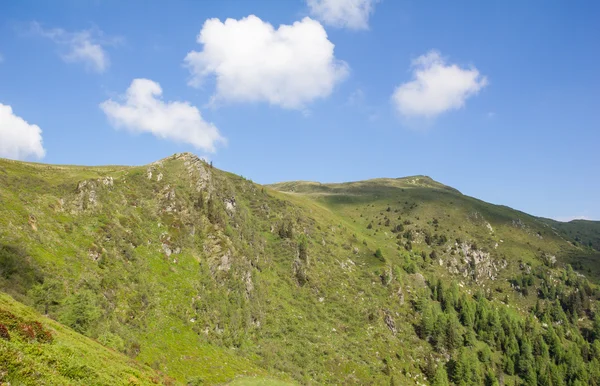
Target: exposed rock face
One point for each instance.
(300, 273)
(32, 222)
(475, 263)
(347, 265)
(400, 294)
(106, 181)
(549, 260)
(87, 192)
(166, 249)
(197, 170)
(225, 264)
(152, 169)
(94, 255)
(389, 322)
(230, 205)
(168, 203)
(247, 277)
(518, 223)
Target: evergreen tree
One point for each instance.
(453, 334)
(490, 379)
(441, 377)
(596, 328)
(467, 369)
(427, 322)
(48, 295)
(527, 365)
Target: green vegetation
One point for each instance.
(35, 350)
(186, 270)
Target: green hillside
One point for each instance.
(210, 278)
(582, 232)
(35, 350)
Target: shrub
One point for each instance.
(303, 249)
(26, 331)
(4, 332)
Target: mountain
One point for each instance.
(209, 278)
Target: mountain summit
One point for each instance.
(200, 276)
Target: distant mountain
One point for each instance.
(583, 232)
(209, 278)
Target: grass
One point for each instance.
(65, 358)
(206, 291)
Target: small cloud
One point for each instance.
(356, 98)
(436, 87)
(351, 14)
(144, 111)
(491, 114)
(86, 46)
(252, 61)
(357, 101)
(19, 139)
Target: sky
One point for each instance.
(499, 99)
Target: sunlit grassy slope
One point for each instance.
(209, 278)
(35, 350)
(420, 200)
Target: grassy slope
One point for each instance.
(69, 359)
(58, 233)
(206, 293)
(420, 199)
(583, 232)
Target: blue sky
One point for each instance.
(497, 99)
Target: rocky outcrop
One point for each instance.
(87, 192)
(389, 322)
(167, 198)
(197, 170)
(230, 205)
(474, 263)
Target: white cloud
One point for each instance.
(251, 61)
(437, 87)
(19, 139)
(143, 110)
(353, 14)
(85, 46)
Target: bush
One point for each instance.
(379, 254)
(303, 249)
(410, 267)
(113, 341)
(4, 332)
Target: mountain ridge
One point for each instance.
(209, 278)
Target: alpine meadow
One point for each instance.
(161, 222)
(206, 277)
